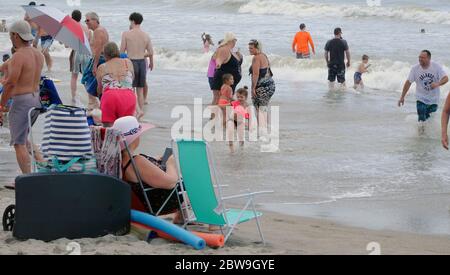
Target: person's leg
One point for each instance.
(216, 96)
(341, 77)
(73, 87)
(422, 111)
(141, 102)
(23, 158)
(331, 77)
(48, 60)
(146, 102)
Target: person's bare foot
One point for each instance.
(140, 116)
(146, 103)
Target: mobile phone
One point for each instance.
(166, 155)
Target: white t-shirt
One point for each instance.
(423, 79)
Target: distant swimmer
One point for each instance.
(362, 68)
(422, 31)
(3, 26)
(429, 77)
(335, 51)
(207, 42)
(301, 43)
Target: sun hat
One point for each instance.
(131, 129)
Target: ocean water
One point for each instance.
(351, 157)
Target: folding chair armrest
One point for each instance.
(248, 195)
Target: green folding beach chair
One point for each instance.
(196, 168)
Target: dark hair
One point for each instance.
(226, 77)
(32, 3)
(76, 15)
(255, 43)
(136, 18)
(427, 52)
(5, 57)
(243, 91)
(13, 50)
(337, 31)
(42, 5)
(111, 50)
(302, 26)
(365, 57)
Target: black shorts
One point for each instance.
(140, 73)
(211, 82)
(336, 72)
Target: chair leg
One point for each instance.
(258, 224)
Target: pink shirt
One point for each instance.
(212, 67)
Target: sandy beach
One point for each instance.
(286, 235)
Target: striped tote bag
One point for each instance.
(67, 143)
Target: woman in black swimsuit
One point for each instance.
(227, 62)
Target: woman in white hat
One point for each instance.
(227, 62)
(152, 173)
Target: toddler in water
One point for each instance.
(363, 68)
(239, 117)
(226, 92)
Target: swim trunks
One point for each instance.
(140, 72)
(18, 116)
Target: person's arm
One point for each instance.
(255, 74)
(98, 38)
(406, 87)
(444, 80)
(326, 54)
(347, 53)
(221, 56)
(294, 44)
(311, 42)
(130, 67)
(100, 74)
(444, 122)
(151, 64)
(158, 178)
(123, 43)
(12, 79)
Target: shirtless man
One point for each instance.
(100, 39)
(137, 44)
(22, 84)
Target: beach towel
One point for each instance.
(89, 80)
(48, 93)
(107, 151)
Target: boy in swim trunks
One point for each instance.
(362, 68)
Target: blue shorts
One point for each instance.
(424, 111)
(211, 83)
(46, 41)
(357, 77)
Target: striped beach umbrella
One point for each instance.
(60, 26)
